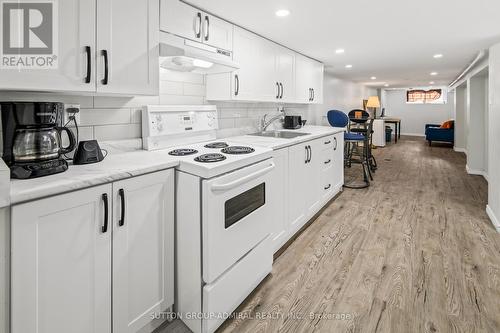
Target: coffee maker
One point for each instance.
(32, 144)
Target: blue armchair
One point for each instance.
(434, 132)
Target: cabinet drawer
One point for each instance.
(327, 181)
(328, 141)
(327, 159)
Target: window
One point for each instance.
(422, 96)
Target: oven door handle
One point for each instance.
(242, 180)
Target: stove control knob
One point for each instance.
(159, 124)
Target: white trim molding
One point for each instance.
(476, 172)
(460, 150)
(493, 218)
(413, 134)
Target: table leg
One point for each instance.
(395, 132)
(399, 129)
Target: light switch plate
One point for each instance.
(67, 115)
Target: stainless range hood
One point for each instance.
(184, 55)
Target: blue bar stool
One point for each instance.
(353, 153)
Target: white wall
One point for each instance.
(461, 118)
(476, 124)
(415, 116)
(340, 95)
(493, 208)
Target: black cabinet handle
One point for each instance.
(336, 143)
(307, 154)
(121, 221)
(310, 94)
(198, 33)
(104, 228)
(327, 142)
(326, 162)
(104, 81)
(328, 187)
(277, 90)
(310, 154)
(89, 64)
(207, 34)
(236, 85)
(281, 85)
(313, 94)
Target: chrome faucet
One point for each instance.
(266, 123)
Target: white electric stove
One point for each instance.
(224, 194)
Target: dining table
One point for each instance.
(397, 126)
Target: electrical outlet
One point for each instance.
(68, 113)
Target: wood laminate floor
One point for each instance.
(414, 252)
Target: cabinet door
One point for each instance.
(217, 32)
(303, 79)
(61, 263)
(245, 53)
(127, 41)
(279, 199)
(285, 73)
(314, 167)
(75, 28)
(181, 19)
(143, 249)
(317, 82)
(298, 186)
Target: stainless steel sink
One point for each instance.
(280, 134)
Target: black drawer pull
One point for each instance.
(326, 162)
(89, 64)
(328, 187)
(327, 142)
(104, 228)
(121, 193)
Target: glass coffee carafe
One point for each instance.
(38, 144)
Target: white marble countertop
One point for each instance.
(4, 184)
(116, 166)
(278, 143)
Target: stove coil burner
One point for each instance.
(237, 150)
(182, 152)
(210, 158)
(216, 145)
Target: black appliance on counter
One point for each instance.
(88, 152)
(32, 145)
(292, 122)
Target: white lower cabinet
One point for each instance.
(71, 258)
(313, 173)
(280, 181)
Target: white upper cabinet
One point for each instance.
(268, 73)
(98, 40)
(308, 80)
(186, 21)
(181, 19)
(75, 40)
(217, 32)
(127, 45)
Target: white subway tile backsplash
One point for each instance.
(191, 89)
(181, 100)
(115, 118)
(105, 116)
(117, 132)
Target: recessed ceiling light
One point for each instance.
(339, 51)
(432, 82)
(373, 78)
(282, 12)
(434, 73)
(437, 56)
(386, 85)
(348, 66)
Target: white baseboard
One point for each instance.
(460, 150)
(413, 134)
(476, 172)
(493, 218)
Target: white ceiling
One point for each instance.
(393, 40)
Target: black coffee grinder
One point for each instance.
(32, 145)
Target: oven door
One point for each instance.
(235, 216)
